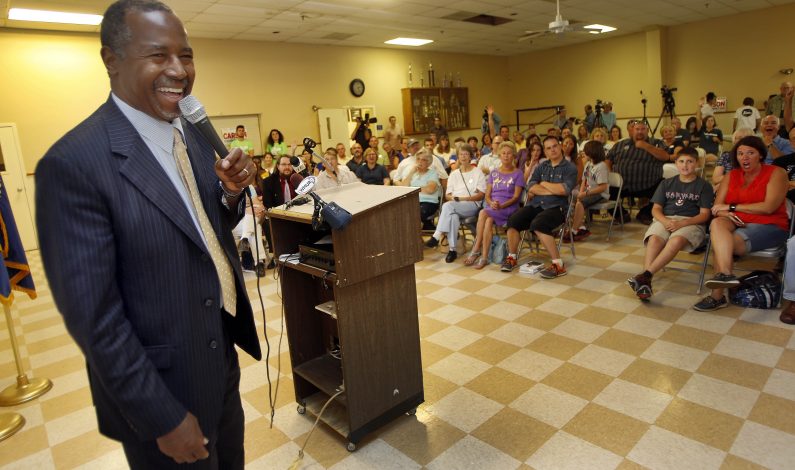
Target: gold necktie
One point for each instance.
(221, 262)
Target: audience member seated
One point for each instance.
(600, 135)
(533, 138)
(548, 200)
(410, 161)
(503, 189)
(277, 190)
(519, 140)
(371, 172)
(615, 135)
(639, 160)
(682, 136)
(608, 116)
(670, 144)
(342, 157)
(443, 150)
(491, 161)
(554, 132)
(693, 131)
(466, 188)
(275, 144)
(787, 162)
(681, 211)
(249, 245)
(710, 137)
(777, 103)
(485, 149)
(357, 157)
(750, 215)
(776, 145)
(724, 164)
(594, 188)
(326, 178)
(569, 148)
(565, 132)
(473, 142)
(582, 138)
(422, 175)
(393, 157)
(381, 156)
(532, 158)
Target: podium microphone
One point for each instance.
(294, 182)
(335, 216)
(310, 144)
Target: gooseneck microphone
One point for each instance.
(194, 112)
(309, 144)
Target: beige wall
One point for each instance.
(51, 81)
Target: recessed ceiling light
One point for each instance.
(599, 28)
(45, 16)
(408, 42)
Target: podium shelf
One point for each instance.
(311, 270)
(325, 373)
(335, 415)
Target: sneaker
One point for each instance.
(722, 281)
(432, 243)
(247, 261)
(508, 264)
(581, 234)
(708, 304)
(552, 271)
(641, 285)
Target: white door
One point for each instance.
(333, 124)
(12, 167)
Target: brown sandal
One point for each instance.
(788, 314)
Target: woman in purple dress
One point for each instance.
(503, 188)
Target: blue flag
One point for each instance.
(15, 274)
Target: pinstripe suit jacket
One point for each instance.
(133, 280)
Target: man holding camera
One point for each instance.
(362, 133)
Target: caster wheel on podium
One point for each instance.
(301, 409)
(412, 412)
(351, 447)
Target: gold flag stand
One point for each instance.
(10, 423)
(25, 389)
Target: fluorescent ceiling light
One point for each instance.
(44, 16)
(599, 28)
(408, 42)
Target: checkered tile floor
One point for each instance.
(519, 373)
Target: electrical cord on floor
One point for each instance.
(271, 394)
(297, 461)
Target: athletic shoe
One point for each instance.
(432, 243)
(552, 271)
(508, 264)
(708, 304)
(722, 281)
(641, 285)
(644, 218)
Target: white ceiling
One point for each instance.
(371, 22)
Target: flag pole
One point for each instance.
(10, 423)
(25, 389)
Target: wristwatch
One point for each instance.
(732, 208)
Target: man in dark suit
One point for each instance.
(139, 254)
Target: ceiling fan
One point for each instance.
(558, 26)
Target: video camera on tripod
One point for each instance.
(668, 97)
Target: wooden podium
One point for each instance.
(370, 346)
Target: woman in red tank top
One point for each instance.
(750, 215)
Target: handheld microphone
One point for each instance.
(194, 112)
(297, 163)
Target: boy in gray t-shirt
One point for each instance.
(681, 210)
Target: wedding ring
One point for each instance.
(246, 170)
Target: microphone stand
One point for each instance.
(309, 146)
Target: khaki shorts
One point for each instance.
(694, 234)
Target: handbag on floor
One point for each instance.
(498, 250)
(757, 289)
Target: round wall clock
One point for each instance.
(356, 87)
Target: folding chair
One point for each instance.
(615, 181)
(564, 228)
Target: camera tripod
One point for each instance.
(668, 109)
